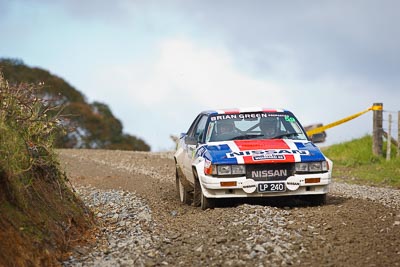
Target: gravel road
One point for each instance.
(142, 223)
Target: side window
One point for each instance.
(193, 127)
(200, 128)
(197, 130)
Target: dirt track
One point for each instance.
(345, 232)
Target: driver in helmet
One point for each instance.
(225, 126)
(269, 127)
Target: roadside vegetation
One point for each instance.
(354, 162)
(39, 214)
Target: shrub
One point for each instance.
(39, 214)
(28, 127)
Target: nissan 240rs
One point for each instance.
(253, 152)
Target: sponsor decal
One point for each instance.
(292, 183)
(249, 186)
(269, 156)
(289, 119)
(224, 117)
(268, 173)
(276, 115)
(201, 151)
(267, 152)
(244, 116)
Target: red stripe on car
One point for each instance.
(248, 145)
(231, 111)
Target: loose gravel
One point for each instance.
(385, 196)
(123, 238)
(141, 222)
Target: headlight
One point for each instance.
(315, 167)
(238, 169)
(309, 167)
(301, 167)
(225, 170)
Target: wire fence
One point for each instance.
(391, 131)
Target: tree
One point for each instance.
(90, 125)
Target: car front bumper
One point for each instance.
(214, 187)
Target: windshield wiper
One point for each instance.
(285, 134)
(247, 136)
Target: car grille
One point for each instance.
(269, 172)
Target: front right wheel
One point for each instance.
(183, 194)
(198, 197)
(206, 203)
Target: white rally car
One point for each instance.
(253, 152)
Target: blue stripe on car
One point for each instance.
(217, 154)
(315, 153)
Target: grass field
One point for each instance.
(353, 162)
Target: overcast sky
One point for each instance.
(157, 64)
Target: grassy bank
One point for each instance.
(355, 163)
(39, 214)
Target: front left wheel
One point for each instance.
(316, 200)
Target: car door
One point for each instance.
(194, 137)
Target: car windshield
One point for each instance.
(255, 125)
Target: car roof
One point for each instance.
(242, 110)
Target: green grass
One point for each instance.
(353, 162)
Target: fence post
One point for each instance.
(389, 139)
(398, 134)
(377, 130)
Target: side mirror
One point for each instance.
(190, 140)
(318, 138)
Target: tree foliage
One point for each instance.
(90, 125)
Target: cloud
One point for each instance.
(344, 40)
(182, 79)
(205, 75)
(86, 10)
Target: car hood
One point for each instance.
(260, 151)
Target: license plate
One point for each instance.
(271, 187)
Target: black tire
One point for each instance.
(183, 194)
(316, 200)
(197, 194)
(206, 203)
(199, 200)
